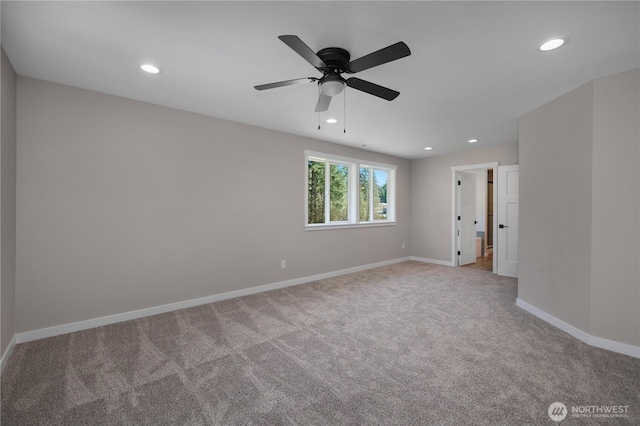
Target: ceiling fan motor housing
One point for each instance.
(335, 58)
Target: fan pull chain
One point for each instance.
(344, 112)
(319, 91)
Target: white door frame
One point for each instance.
(454, 206)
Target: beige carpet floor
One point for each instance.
(407, 344)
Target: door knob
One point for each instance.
(502, 226)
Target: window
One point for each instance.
(346, 192)
(327, 203)
(373, 193)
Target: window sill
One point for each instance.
(322, 227)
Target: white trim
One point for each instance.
(494, 238)
(391, 196)
(42, 333)
(598, 342)
(434, 261)
(337, 225)
(474, 166)
(612, 345)
(566, 327)
(7, 353)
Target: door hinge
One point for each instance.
(458, 217)
(458, 252)
(459, 183)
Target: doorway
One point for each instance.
(505, 196)
(482, 218)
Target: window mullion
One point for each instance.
(354, 193)
(327, 192)
(371, 194)
(391, 196)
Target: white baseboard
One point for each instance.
(57, 330)
(598, 342)
(434, 261)
(7, 353)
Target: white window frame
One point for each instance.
(354, 166)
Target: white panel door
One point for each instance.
(466, 218)
(507, 247)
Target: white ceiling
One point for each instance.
(473, 70)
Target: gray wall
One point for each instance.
(7, 201)
(615, 232)
(554, 250)
(579, 239)
(124, 205)
(431, 213)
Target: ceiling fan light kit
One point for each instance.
(332, 85)
(334, 61)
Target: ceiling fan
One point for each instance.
(333, 61)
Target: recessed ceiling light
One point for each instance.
(332, 121)
(428, 148)
(473, 140)
(552, 44)
(151, 69)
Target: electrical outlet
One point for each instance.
(402, 246)
(283, 264)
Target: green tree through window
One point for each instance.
(380, 178)
(339, 193)
(316, 191)
(365, 194)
